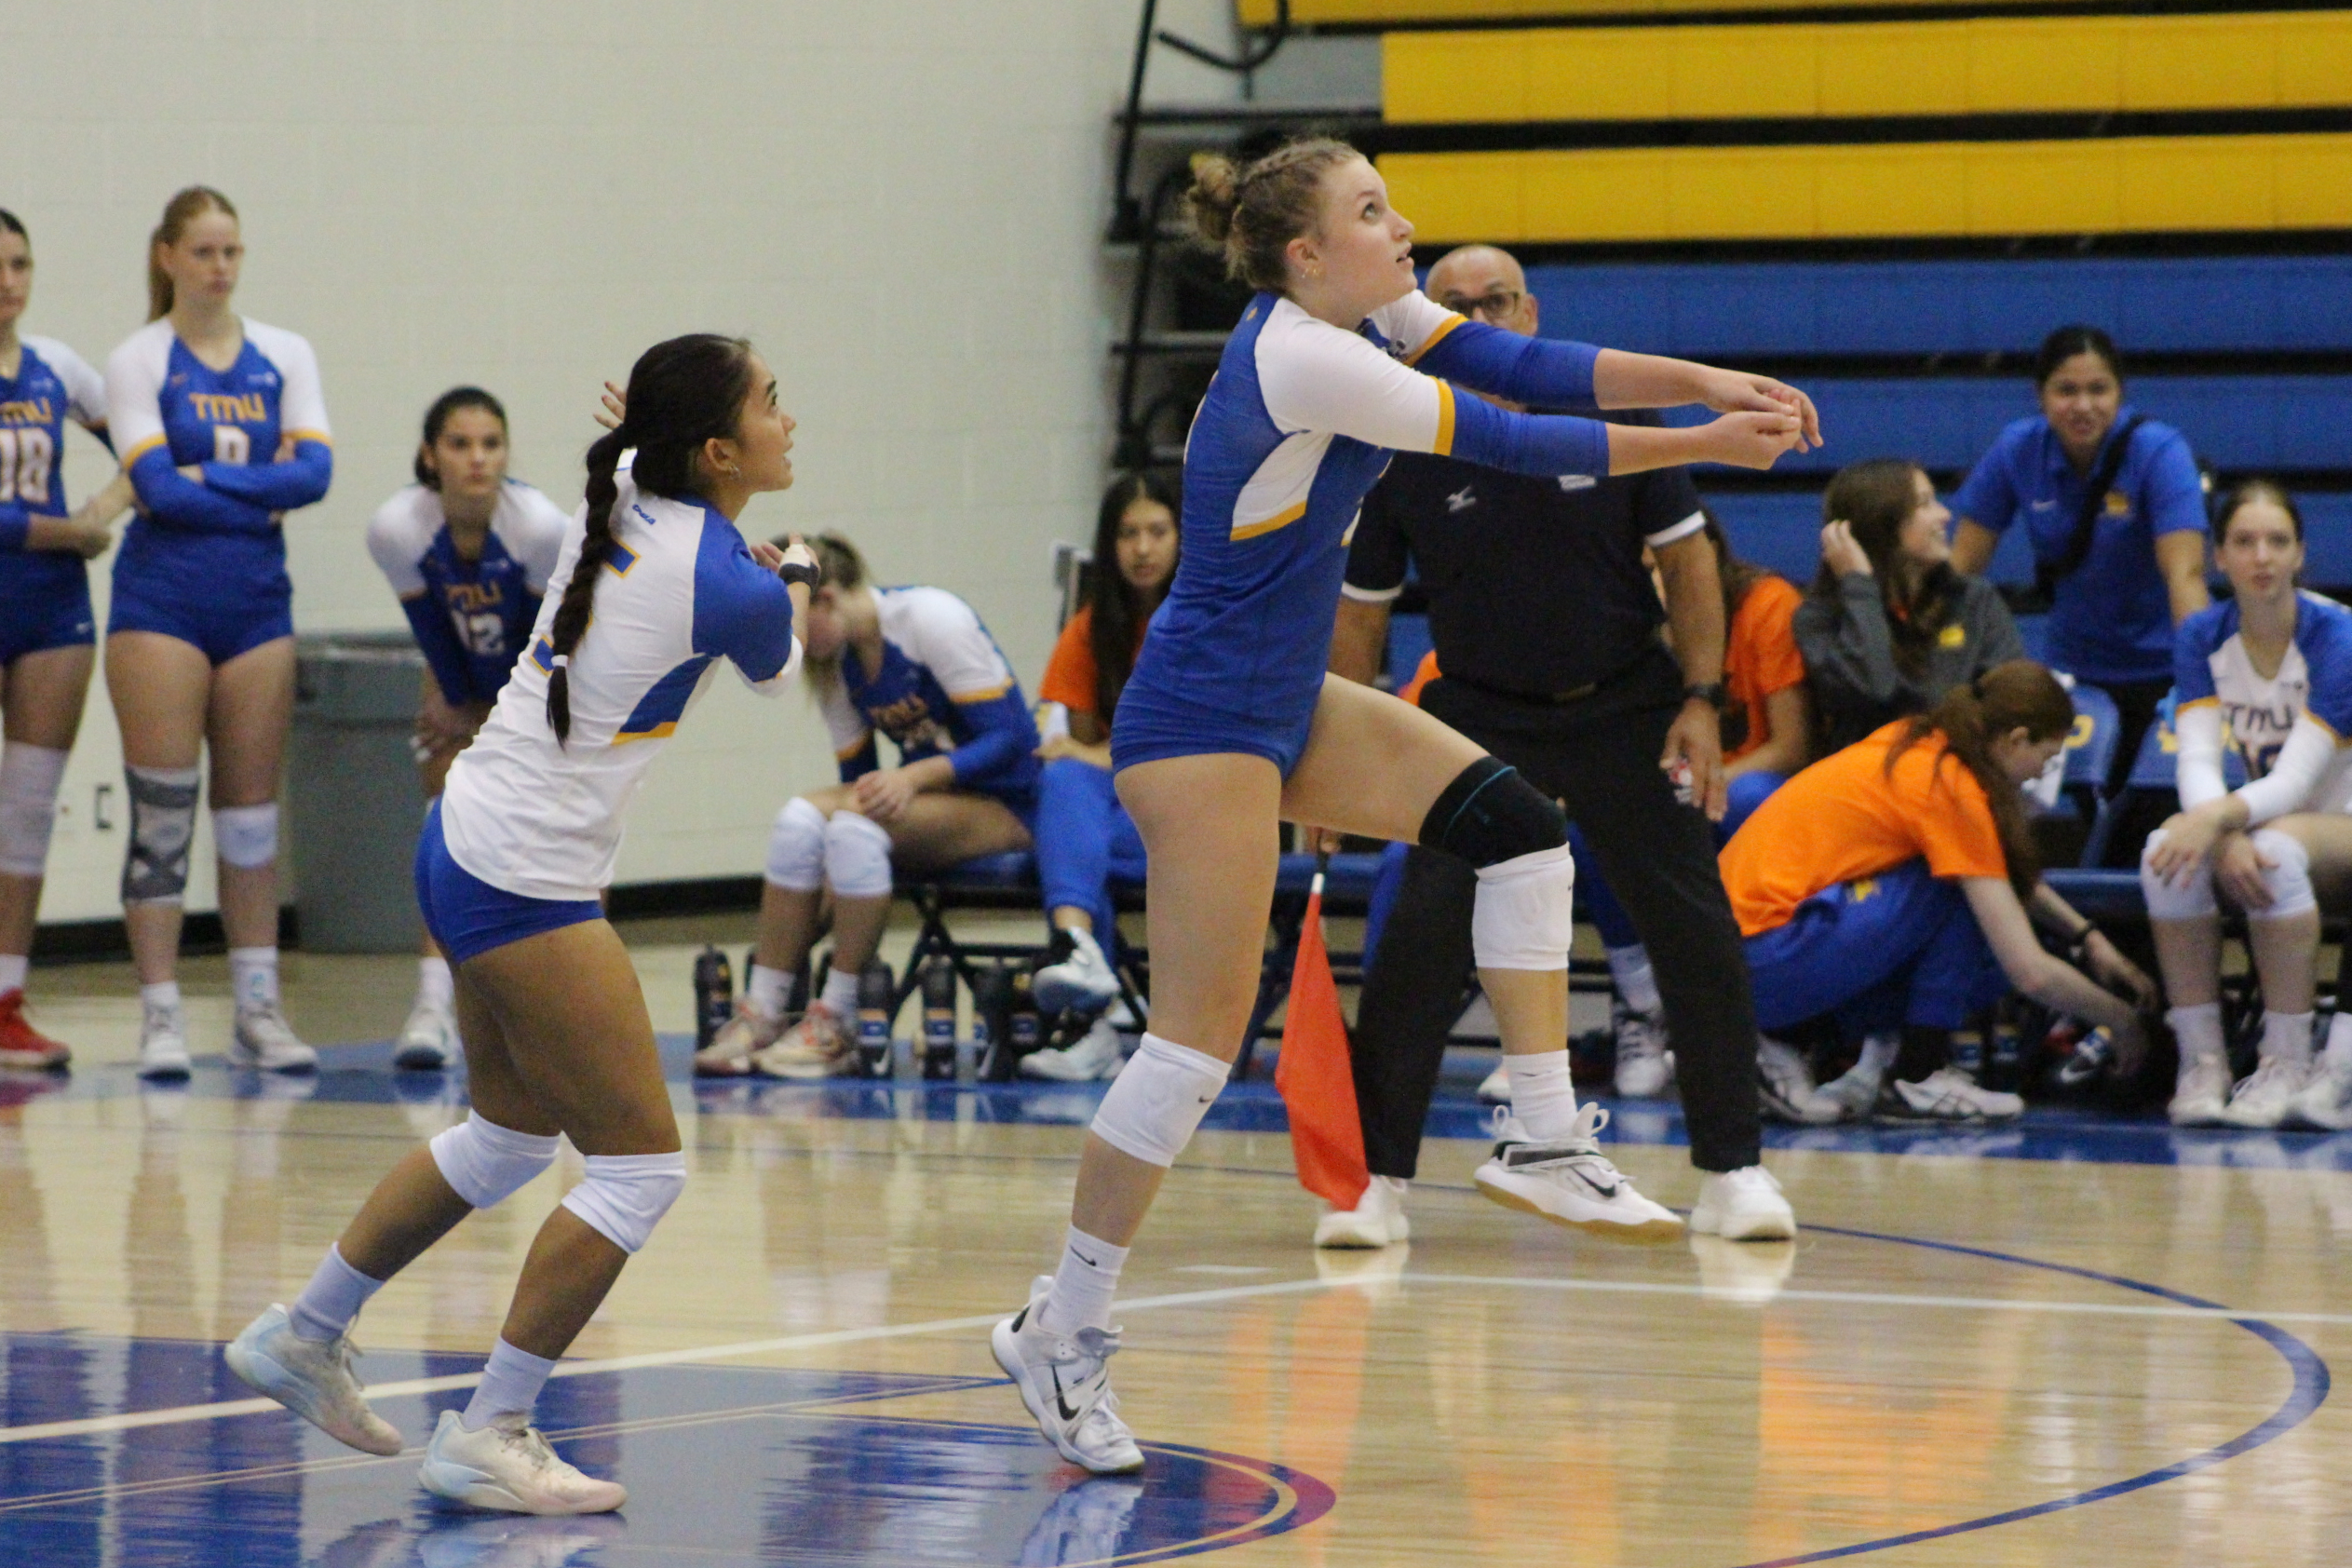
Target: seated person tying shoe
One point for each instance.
(914, 664)
(1890, 885)
(2268, 671)
(1084, 834)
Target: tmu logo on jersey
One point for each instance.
(909, 723)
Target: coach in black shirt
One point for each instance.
(1546, 629)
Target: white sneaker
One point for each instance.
(743, 1036)
(1066, 1380)
(819, 1046)
(1093, 1055)
(2261, 1099)
(1785, 1086)
(428, 1040)
(1854, 1092)
(507, 1465)
(1645, 1065)
(1495, 1087)
(2325, 1100)
(1743, 1204)
(1378, 1219)
(263, 1039)
(163, 1042)
(312, 1378)
(1945, 1095)
(2201, 1092)
(1084, 980)
(1571, 1183)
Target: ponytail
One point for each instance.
(2019, 694)
(185, 208)
(682, 393)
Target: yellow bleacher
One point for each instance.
(1403, 13)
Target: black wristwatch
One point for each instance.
(2078, 947)
(809, 577)
(1712, 693)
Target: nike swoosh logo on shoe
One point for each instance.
(1059, 1402)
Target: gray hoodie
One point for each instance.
(1849, 654)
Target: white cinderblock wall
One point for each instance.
(900, 200)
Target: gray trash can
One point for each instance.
(353, 800)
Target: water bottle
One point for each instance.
(875, 990)
(939, 1020)
(1025, 1029)
(714, 994)
(991, 1023)
(1967, 1054)
(2093, 1055)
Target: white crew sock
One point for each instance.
(767, 991)
(2287, 1036)
(1084, 1284)
(1878, 1055)
(163, 994)
(1543, 1093)
(13, 966)
(253, 977)
(511, 1386)
(841, 994)
(436, 987)
(333, 1298)
(2198, 1030)
(2338, 1055)
(1630, 967)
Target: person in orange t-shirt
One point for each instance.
(1888, 885)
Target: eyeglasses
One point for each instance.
(1499, 302)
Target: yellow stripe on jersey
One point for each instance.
(659, 732)
(2198, 702)
(848, 751)
(1282, 519)
(142, 450)
(1444, 445)
(2323, 725)
(1436, 338)
(989, 694)
(319, 436)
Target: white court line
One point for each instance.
(95, 1426)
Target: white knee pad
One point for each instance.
(856, 856)
(2169, 902)
(626, 1195)
(29, 778)
(1155, 1106)
(796, 847)
(2288, 880)
(486, 1164)
(1524, 916)
(163, 805)
(246, 836)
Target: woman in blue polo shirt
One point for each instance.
(2115, 511)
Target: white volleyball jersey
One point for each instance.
(680, 593)
(2213, 674)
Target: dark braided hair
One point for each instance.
(682, 393)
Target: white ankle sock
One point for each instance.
(1543, 1093)
(333, 1298)
(1084, 1284)
(436, 987)
(1878, 1055)
(841, 994)
(13, 967)
(253, 977)
(163, 994)
(2198, 1030)
(2287, 1036)
(511, 1386)
(1637, 982)
(767, 991)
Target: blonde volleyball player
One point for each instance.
(554, 1027)
(1227, 725)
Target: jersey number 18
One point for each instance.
(26, 455)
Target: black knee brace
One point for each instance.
(1490, 815)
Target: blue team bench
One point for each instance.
(1976, 308)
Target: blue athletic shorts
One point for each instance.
(35, 623)
(468, 916)
(237, 621)
(1151, 727)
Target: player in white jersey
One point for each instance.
(2267, 672)
(468, 551)
(47, 643)
(556, 1036)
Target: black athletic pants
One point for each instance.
(1599, 755)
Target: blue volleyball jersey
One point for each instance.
(2213, 668)
(259, 431)
(52, 384)
(944, 688)
(472, 618)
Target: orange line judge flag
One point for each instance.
(1314, 1077)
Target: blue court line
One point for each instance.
(2312, 1382)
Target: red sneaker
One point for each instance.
(24, 1046)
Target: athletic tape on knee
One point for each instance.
(856, 856)
(1524, 916)
(246, 837)
(28, 780)
(796, 848)
(1155, 1106)
(2169, 900)
(162, 806)
(1489, 814)
(626, 1195)
(2288, 880)
(486, 1164)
